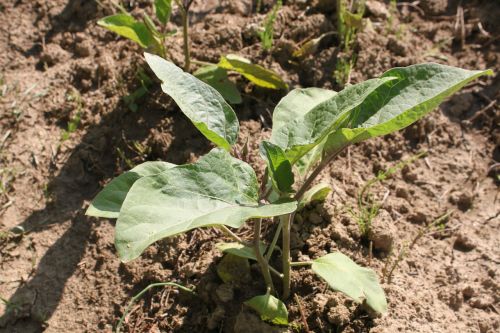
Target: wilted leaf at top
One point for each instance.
(300, 134)
(344, 275)
(217, 78)
(163, 9)
(217, 189)
(201, 103)
(126, 26)
(257, 74)
(398, 103)
(269, 308)
(278, 166)
(109, 201)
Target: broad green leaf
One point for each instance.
(163, 9)
(296, 104)
(126, 26)
(299, 135)
(201, 103)
(217, 78)
(233, 268)
(240, 250)
(397, 104)
(316, 193)
(269, 308)
(257, 74)
(217, 189)
(109, 201)
(278, 166)
(344, 275)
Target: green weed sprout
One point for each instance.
(311, 127)
(266, 35)
(152, 38)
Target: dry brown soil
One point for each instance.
(58, 268)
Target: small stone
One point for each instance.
(468, 292)
(247, 322)
(382, 232)
(377, 9)
(52, 54)
(417, 218)
(83, 49)
(242, 7)
(339, 315)
(401, 192)
(463, 243)
(224, 292)
(463, 200)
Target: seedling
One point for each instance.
(368, 206)
(311, 127)
(266, 35)
(349, 21)
(152, 38)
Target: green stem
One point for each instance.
(301, 263)
(202, 63)
(136, 297)
(185, 35)
(271, 247)
(286, 220)
(264, 266)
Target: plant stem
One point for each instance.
(234, 236)
(286, 220)
(271, 247)
(264, 266)
(307, 183)
(185, 34)
(301, 263)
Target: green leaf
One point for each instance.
(344, 275)
(240, 250)
(233, 268)
(316, 193)
(270, 309)
(217, 189)
(109, 201)
(163, 9)
(201, 103)
(126, 26)
(278, 166)
(257, 74)
(397, 104)
(217, 78)
(296, 104)
(300, 134)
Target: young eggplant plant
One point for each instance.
(311, 127)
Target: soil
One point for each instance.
(58, 268)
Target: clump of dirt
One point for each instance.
(60, 272)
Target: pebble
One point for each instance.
(225, 292)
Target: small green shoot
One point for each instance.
(139, 295)
(368, 206)
(267, 33)
(73, 97)
(310, 128)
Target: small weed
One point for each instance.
(368, 206)
(349, 21)
(391, 265)
(73, 97)
(267, 33)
